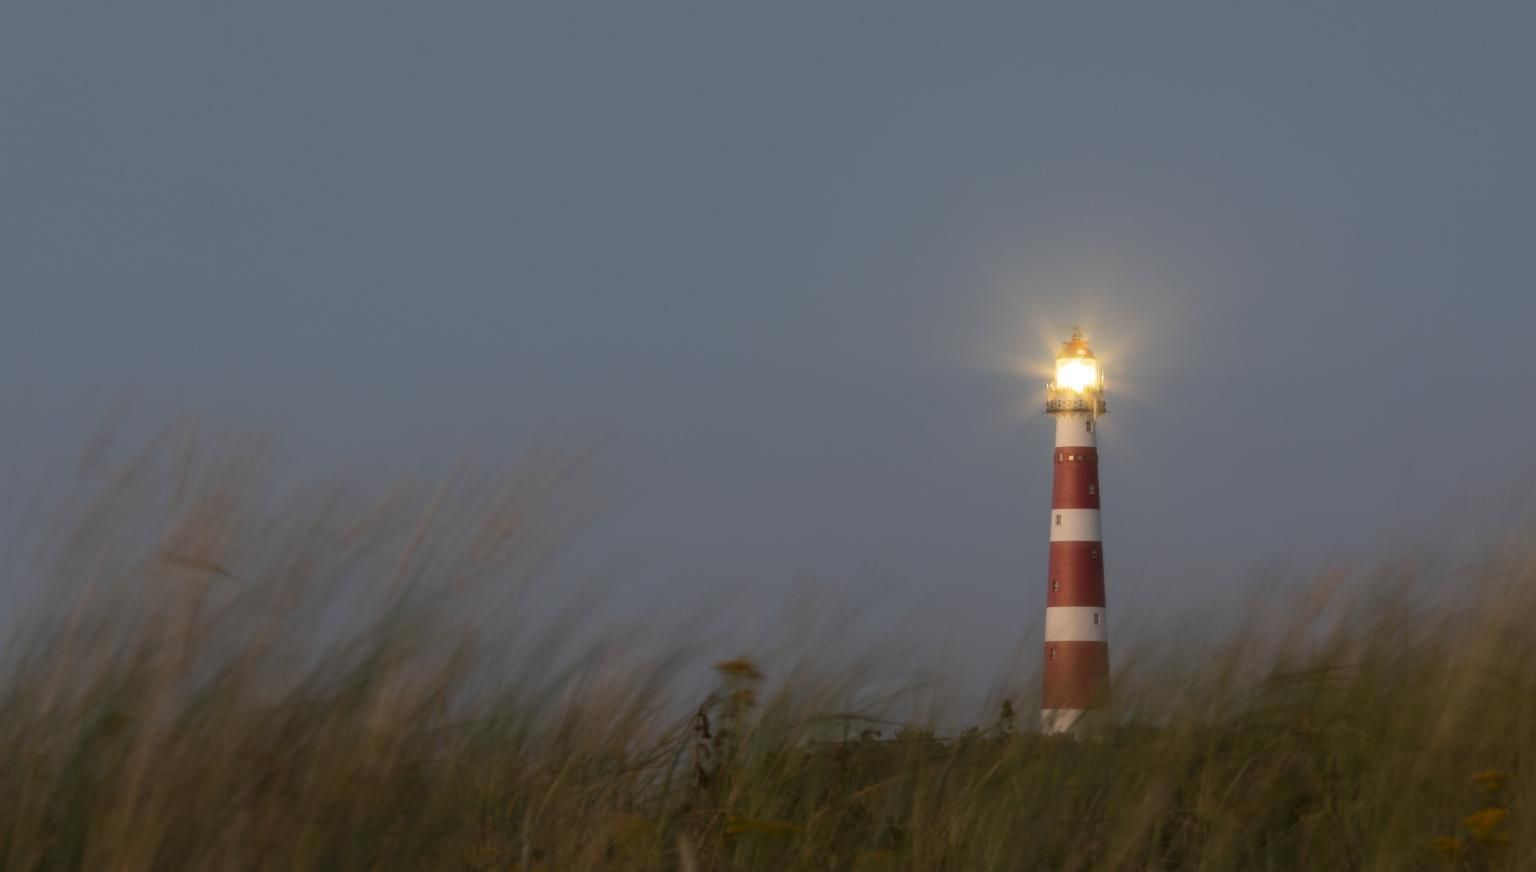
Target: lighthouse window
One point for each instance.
(1094, 553)
(1053, 652)
(1095, 619)
(1092, 489)
(1055, 585)
(1058, 457)
(1090, 426)
(1058, 519)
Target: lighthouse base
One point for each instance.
(1077, 723)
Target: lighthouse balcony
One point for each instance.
(1071, 402)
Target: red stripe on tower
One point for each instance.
(1076, 674)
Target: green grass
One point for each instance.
(235, 675)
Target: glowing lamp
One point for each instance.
(1077, 374)
(1077, 370)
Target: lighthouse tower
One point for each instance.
(1076, 625)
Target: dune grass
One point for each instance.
(232, 674)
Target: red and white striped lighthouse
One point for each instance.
(1076, 675)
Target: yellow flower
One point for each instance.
(1481, 824)
(1490, 780)
(740, 667)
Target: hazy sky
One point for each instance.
(794, 262)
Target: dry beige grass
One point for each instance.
(236, 675)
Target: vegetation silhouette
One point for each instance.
(233, 673)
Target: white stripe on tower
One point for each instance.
(1075, 431)
(1075, 624)
(1075, 525)
(1076, 673)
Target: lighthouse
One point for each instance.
(1076, 674)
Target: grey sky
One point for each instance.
(786, 258)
